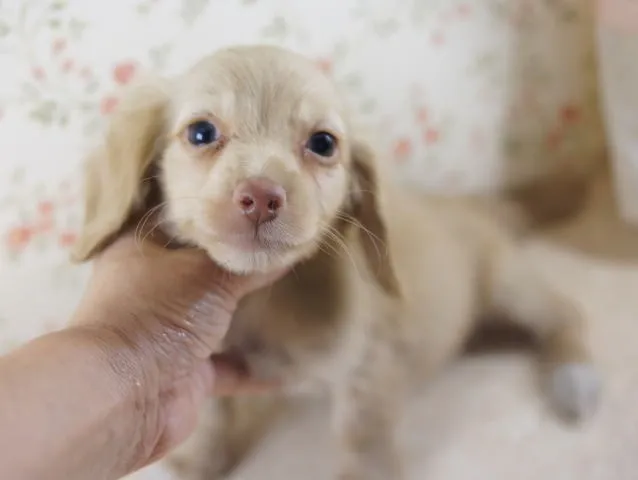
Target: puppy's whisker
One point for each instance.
(152, 177)
(170, 240)
(155, 227)
(333, 234)
(330, 250)
(336, 235)
(293, 270)
(263, 167)
(141, 225)
(376, 240)
(325, 246)
(356, 223)
(151, 211)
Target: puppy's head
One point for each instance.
(253, 156)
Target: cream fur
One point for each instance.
(388, 283)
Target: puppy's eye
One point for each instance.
(322, 143)
(202, 133)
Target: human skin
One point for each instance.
(121, 385)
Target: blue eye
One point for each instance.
(322, 144)
(202, 133)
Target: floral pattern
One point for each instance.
(40, 217)
(466, 95)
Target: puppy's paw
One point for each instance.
(181, 468)
(380, 464)
(364, 474)
(575, 390)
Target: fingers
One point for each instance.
(129, 247)
(232, 378)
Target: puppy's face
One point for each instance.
(257, 158)
(254, 159)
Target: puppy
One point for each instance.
(251, 156)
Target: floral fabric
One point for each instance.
(465, 95)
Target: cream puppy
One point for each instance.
(251, 156)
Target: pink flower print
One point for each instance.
(108, 104)
(59, 45)
(402, 149)
(44, 225)
(437, 38)
(38, 73)
(19, 237)
(68, 65)
(463, 10)
(431, 136)
(45, 208)
(422, 115)
(86, 73)
(570, 114)
(325, 65)
(124, 72)
(67, 239)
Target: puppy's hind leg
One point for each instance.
(519, 294)
(367, 410)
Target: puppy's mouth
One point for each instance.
(256, 228)
(256, 238)
(258, 241)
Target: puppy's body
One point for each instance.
(387, 283)
(322, 309)
(328, 324)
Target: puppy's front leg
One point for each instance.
(367, 411)
(229, 429)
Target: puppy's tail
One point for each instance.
(543, 202)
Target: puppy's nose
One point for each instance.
(260, 199)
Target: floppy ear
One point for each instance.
(114, 189)
(367, 210)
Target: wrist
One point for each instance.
(132, 377)
(89, 396)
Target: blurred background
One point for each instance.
(464, 96)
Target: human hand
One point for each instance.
(159, 315)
